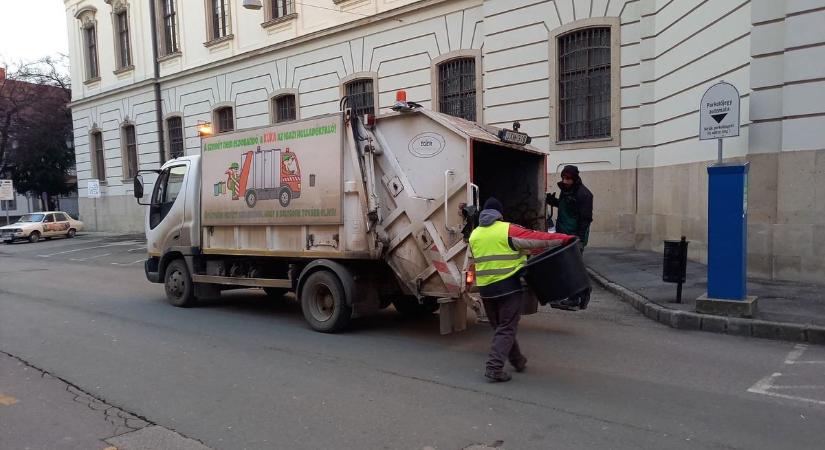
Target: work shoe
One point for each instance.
(497, 377)
(520, 365)
(567, 304)
(584, 300)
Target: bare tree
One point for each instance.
(35, 123)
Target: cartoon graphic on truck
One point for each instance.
(270, 174)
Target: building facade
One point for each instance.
(612, 86)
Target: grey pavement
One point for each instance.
(785, 308)
(245, 372)
(41, 411)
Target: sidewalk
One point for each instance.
(787, 310)
(38, 410)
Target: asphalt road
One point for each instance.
(246, 372)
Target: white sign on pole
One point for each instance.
(93, 189)
(719, 112)
(6, 190)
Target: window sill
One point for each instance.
(91, 81)
(278, 20)
(169, 56)
(587, 144)
(218, 41)
(123, 70)
(584, 141)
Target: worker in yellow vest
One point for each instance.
(499, 252)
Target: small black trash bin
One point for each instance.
(674, 264)
(557, 274)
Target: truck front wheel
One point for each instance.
(285, 196)
(324, 304)
(180, 291)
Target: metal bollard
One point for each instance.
(674, 268)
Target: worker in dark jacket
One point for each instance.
(575, 215)
(499, 252)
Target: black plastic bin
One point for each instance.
(557, 274)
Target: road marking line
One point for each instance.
(809, 362)
(796, 353)
(91, 257)
(128, 264)
(6, 400)
(136, 249)
(800, 386)
(765, 385)
(89, 248)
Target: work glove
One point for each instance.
(551, 199)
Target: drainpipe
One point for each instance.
(158, 102)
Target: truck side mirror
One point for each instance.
(138, 188)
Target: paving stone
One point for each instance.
(739, 327)
(686, 321)
(815, 335)
(764, 329)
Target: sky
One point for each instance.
(31, 29)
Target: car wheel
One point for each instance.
(8, 242)
(34, 237)
(285, 196)
(70, 234)
(324, 303)
(180, 291)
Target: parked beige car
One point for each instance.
(34, 226)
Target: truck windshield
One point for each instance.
(32, 218)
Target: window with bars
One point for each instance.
(219, 11)
(284, 108)
(584, 84)
(90, 35)
(130, 162)
(281, 8)
(457, 88)
(170, 27)
(361, 96)
(99, 171)
(225, 121)
(175, 127)
(124, 52)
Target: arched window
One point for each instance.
(584, 89)
(129, 149)
(120, 25)
(224, 119)
(174, 128)
(98, 156)
(284, 108)
(361, 93)
(457, 85)
(88, 29)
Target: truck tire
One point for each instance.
(251, 198)
(285, 196)
(410, 307)
(180, 290)
(324, 303)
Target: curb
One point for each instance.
(735, 326)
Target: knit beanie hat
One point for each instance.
(493, 203)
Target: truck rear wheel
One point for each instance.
(180, 291)
(324, 303)
(251, 198)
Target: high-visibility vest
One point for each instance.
(493, 257)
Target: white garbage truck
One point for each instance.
(352, 214)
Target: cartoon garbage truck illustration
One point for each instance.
(268, 174)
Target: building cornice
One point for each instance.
(380, 17)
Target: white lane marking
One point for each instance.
(91, 257)
(796, 353)
(136, 249)
(764, 386)
(128, 264)
(800, 386)
(115, 244)
(809, 362)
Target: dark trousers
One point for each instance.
(504, 314)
